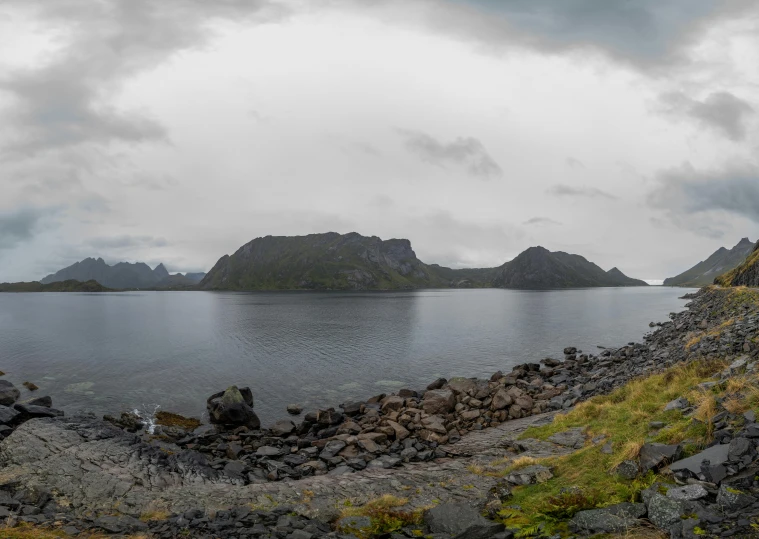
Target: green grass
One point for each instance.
(386, 515)
(585, 479)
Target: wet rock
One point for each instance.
(461, 521)
(437, 384)
(294, 409)
(8, 393)
(282, 428)
(502, 399)
(329, 417)
(232, 408)
(613, 519)
(401, 433)
(47, 402)
(30, 411)
(439, 402)
(8, 415)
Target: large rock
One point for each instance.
(281, 428)
(439, 401)
(462, 385)
(502, 399)
(531, 475)
(654, 456)
(717, 454)
(460, 521)
(663, 512)
(613, 519)
(7, 415)
(573, 438)
(8, 393)
(231, 407)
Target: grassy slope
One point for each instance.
(732, 277)
(623, 417)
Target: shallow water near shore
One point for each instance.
(113, 352)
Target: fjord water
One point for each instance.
(111, 352)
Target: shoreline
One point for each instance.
(388, 434)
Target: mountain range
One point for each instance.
(335, 261)
(721, 261)
(123, 275)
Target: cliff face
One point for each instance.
(720, 262)
(319, 262)
(746, 274)
(538, 268)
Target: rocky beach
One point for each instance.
(444, 460)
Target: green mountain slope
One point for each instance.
(328, 261)
(58, 286)
(720, 262)
(539, 268)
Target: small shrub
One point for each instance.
(167, 419)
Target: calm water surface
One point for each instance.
(112, 352)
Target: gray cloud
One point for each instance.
(467, 151)
(65, 102)
(644, 32)
(685, 191)
(126, 242)
(21, 225)
(721, 111)
(540, 221)
(563, 190)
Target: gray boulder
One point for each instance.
(530, 475)
(460, 521)
(731, 499)
(233, 408)
(688, 493)
(573, 438)
(613, 519)
(663, 512)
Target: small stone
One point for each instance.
(294, 409)
(628, 469)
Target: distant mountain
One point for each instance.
(122, 275)
(58, 286)
(195, 277)
(720, 262)
(539, 268)
(746, 274)
(333, 261)
(328, 261)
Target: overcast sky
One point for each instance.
(176, 131)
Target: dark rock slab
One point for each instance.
(653, 456)
(461, 521)
(717, 454)
(8, 415)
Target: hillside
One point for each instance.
(124, 275)
(721, 261)
(746, 274)
(328, 261)
(58, 286)
(539, 268)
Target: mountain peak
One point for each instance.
(721, 261)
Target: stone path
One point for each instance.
(98, 468)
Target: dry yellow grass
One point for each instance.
(32, 532)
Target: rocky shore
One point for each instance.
(232, 478)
